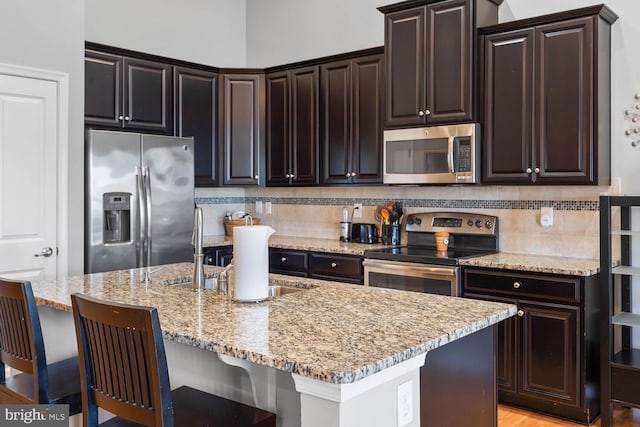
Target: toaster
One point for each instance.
(364, 233)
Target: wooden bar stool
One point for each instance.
(22, 348)
(124, 371)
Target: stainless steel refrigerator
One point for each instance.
(139, 200)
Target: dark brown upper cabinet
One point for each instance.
(241, 114)
(546, 90)
(124, 92)
(292, 126)
(351, 133)
(195, 109)
(429, 54)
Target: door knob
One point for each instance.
(45, 252)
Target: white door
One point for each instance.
(28, 177)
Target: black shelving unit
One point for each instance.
(619, 361)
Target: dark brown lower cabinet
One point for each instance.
(218, 255)
(318, 265)
(547, 356)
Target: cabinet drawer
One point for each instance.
(288, 262)
(344, 268)
(519, 285)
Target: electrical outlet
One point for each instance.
(405, 403)
(267, 208)
(258, 207)
(357, 210)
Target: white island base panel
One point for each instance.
(301, 401)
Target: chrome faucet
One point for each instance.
(198, 255)
(223, 280)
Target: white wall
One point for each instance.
(211, 32)
(49, 34)
(284, 31)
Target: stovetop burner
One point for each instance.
(471, 235)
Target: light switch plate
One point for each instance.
(405, 403)
(258, 207)
(357, 210)
(267, 208)
(546, 216)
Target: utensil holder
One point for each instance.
(390, 234)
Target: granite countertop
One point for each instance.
(502, 260)
(536, 263)
(303, 244)
(332, 332)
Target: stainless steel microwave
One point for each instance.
(432, 155)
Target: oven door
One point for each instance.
(409, 276)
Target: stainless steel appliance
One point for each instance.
(432, 155)
(418, 266)
(139, 201)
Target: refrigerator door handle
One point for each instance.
(142, 214)
(147, 193)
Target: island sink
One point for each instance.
(212, 284)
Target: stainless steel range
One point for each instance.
(418, 266)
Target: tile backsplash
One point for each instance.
(315, 212)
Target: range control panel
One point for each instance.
(453, 222)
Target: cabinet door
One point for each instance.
(506, 351)
(278, 132)
(508, 105)
(564, 101)
(368, 94)
(404, 41)
(449, 54)
(242, 117)
(148, 96)
(336, 122)
(102, 89)
(195, 115)
(550, 365)
(304, 125)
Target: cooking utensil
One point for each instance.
(385, 215)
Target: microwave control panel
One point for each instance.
(464, 155)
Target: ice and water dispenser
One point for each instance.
(116, 227)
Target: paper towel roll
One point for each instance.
(251, 259)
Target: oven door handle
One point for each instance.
(397, 266)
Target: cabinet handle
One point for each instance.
(292, 176)
(529, 170)
(283, 259)
(348, 174)
(127, 118)
(420, 113)
(353, 174)
(520, 313)
(120, 117)
(256, 177)
(537, 170)
(427, 112)
(209, 260)
(517, 285)
(287, 175)
(334, 265)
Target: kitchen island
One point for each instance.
(331, 354)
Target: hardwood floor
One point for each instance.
(509, 416)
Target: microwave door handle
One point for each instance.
(450, 155)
